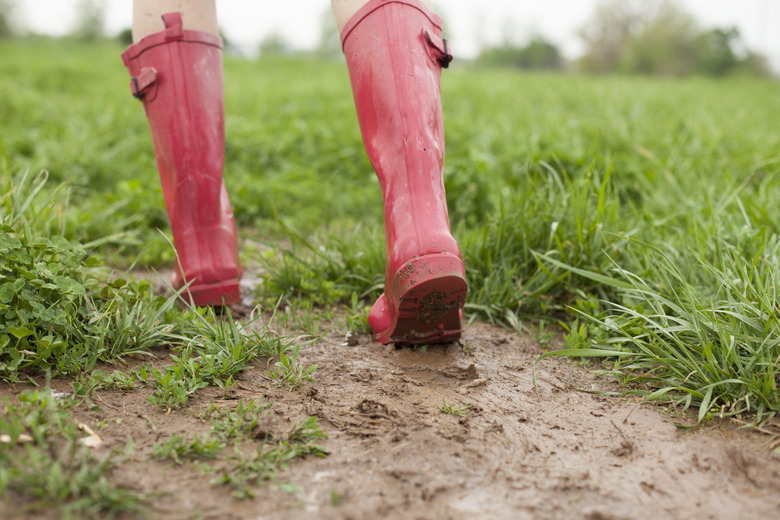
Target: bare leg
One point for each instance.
(344, 9)
(197, 15)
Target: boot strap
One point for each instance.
(438, 49)
(139, 84)
(173, 26)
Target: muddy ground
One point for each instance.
(557, 450)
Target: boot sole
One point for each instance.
(432, 292)
(226, 292)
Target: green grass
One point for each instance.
(646, 209)
(245, 471)
(266, 454)
(177, 448)
(289, 371)
(43, 462)
(237, 423)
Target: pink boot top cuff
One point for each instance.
(173, 32)
(373, 5)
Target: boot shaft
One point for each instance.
(395, 53)
(178, 76)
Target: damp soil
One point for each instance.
(557, 449)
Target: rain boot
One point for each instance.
(177, 74)
(395, 54)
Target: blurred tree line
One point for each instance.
(537, 54)
(89, 25)
(653, 37)
(7, 29)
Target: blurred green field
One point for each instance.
(639, 212)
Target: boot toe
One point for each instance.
(380, 320)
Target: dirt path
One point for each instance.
(550, 452)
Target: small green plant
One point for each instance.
(237, 423)
(268, 460)
(289, 371)
(357, 316)
(300, 314)
(508, 363)
(177, 448)
(541, 336)
(44, 464)
(172, 387)
(115, 380)
(460, 411)
(307, 434)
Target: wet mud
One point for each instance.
(557, 449)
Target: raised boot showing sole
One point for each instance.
(178, 75)
(395, 54)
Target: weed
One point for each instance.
(508, 363)
(177, 448)
(357, 316)
(307, 434)
(541, 336)
(460, 411)
(289, 371)
(237, 423)
(172, 387)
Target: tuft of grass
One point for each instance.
(44, 464)
(709, 338)
(268, 460)
(237, 423)
(177, 448)
(289, 371)
(325, 269)
(460, 411)
(271, 454)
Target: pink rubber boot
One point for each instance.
(178, 76)
(395, 53)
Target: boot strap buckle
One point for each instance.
(139, 84)
(438, 49)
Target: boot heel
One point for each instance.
(226, 292)
(428, 293)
